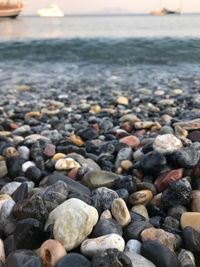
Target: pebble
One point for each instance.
(111, 257)
(133, 245)
(24, 152)
(141, 197)
(160, 235)
(191, 219)
(186, 257)
(73, 221)
(142, 210)
(120, 211)
(10, 188)
(195, 205)
(66, 164)
(90, 247)
(23, 258)
(138, 260)
(132, 141)
(191, 239)
(151, 249)
(106, 227)
(2, 252)
(152, 163)
(3, 169)
(73, 260)
(96, 179)
(167, 144)
(51, 252)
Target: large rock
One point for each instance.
(167, 144)
(73, 221)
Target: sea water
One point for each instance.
(105, 52)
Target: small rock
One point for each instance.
(164, 237)
(106, 227)
(120, 211)
(142, 210)
(131, 141)
(73, 260)
(141, 197)
(106, 214)
(3, 169)
(138, 260)
(2, 252)
(191, 239)
(186, 257)
(187, 157)
(23, 258)
(122, 100)
(90, 247)
(189, 125)
(167, 144)
(51, 252)
(195, 205)
(133, 245)
(66, 164)
(191, 219)
(166, 178)
(9, 188)
(152, 163)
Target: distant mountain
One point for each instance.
(111, 11)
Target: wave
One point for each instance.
(105, 51)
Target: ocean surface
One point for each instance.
(104, 52)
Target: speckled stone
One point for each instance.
(133, 245)
(120, 211)
(141, 197)
(167, 144)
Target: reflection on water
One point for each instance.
(100, 26)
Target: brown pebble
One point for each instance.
(120, 211)
(141, 197)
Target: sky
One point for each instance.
(134, 6)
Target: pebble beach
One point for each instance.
(101, 168)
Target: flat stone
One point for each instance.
(73, 221)
(132, 141)
(167, 144)
(120, 211)
(191, 219)
(165, 179)
(138, 260)
(189, 125)
(141, 197)
(164, 237)
(96, 179)
(90, 247)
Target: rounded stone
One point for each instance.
(24, 152)
(51, 251)
(191, 239)
(90, 247)
(134, 229)
(9, 188)
(132, 141)
(133, 245)
(2, 252)
(73, 260)
(191, 219)
(106, 227)
(187, 157)
(33, 174)
(164, 237)
(73, 221)
(66, 164)
(27, 165)
(152, 163)
(3, 168)
(195, 205)
(151, 249)
(138, 260)
(106, 214)
(165, 179)
(142, 210)
(111, 257)
(177, 193)
(120, 211)
(167, 144)
(96, 179)
(141, 197)
(10, 152)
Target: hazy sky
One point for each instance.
(136, 6)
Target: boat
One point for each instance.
(165, 11)
(10, 9)
(52, 11)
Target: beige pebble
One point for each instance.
(120, 211)
(58, 156)
(51, 252)
(105, 215)
(141, 197)
(191, 219)
(142, 210)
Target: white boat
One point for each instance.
(10, 9)
(52, 11)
